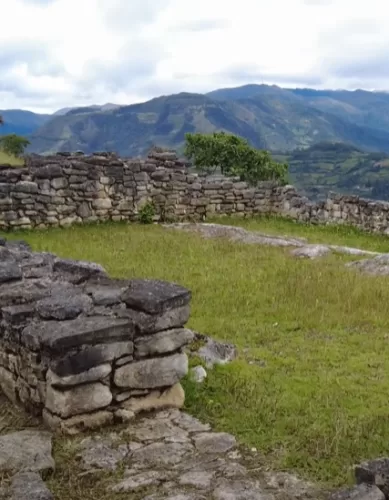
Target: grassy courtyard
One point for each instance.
(310, 388)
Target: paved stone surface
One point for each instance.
(171, 455)
(28, 450)
(29, 486)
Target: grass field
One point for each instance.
(5, 158)
(310, 388)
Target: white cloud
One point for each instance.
(57, 53)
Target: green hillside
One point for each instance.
(339, 167)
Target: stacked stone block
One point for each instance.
(68, 188)
(84, 350)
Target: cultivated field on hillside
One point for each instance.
(5, 158)
(310, 388)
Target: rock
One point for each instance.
(101, 453)
(214, 442)
(65, 335)
(63, 307)
(374, 472)
(28, 450)
(78, 400)
(9, 271)
(240, 490)
(80, 423)
(155, 296)
(152, 323)
(311, 251)
(139, 480)
(360, 492)
(155, 430)
(77, 271)
(152, 373)
(197, 479)
(124, 416)
(190, 423)
(214, 352)
(378, 266)
(198, 374)
(173, 397)
(92, 375)
(163, 342)
(29, 485)
(160, 453)
(90, 357)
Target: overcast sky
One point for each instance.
(58, 53)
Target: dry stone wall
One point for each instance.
(84, 350)
(72, 188)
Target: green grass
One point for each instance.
(310, 388)
(5, 158)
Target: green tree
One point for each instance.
(13, 144)
(1, 120)
(233, 156)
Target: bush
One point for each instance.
(146, 214)
(13, 144)
(234, 156)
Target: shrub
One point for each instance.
(13, 144)
(146, 213)
(233, 156)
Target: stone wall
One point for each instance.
(65, 189)
(84, 350)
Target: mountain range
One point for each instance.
(284, 121)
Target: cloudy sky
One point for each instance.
(58, 53)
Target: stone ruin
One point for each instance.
(83, 350)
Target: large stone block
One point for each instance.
(78, 400)
(162, 342)
(155, 296)
(152, 373)
(59, 336)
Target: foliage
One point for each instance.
(146, 213)
(13, 144)
(310, 388)
(233, 156)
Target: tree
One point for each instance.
(233, 156)
(13, 144)
(1, 120)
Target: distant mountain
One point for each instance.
(268, 116)
(21, 122)
(94, 107)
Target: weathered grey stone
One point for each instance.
(162, 342)
(198, 374)
(75, 333)
(359, 492)
(63, 306)
(240, 490)
(152, 373)
(214, 442)
(10, 271)
(157, 454)
(28, 450)
(101, 453)
(214, 352)
(197, 479)
(78, 400)
(79, 423)
(78, 270)
(29, 485)
(374, 472)
(311, 251)
(174, 397)
(140, 480)
(74, 363)
(155, 296)
(92, 375)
